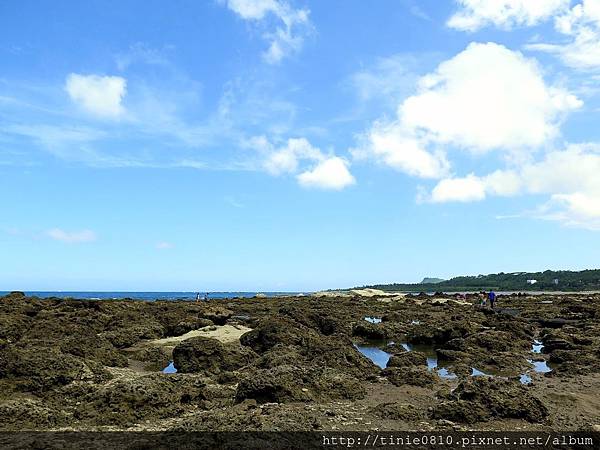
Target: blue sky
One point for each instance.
(295, 145)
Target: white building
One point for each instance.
(531, 281)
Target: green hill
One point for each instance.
(550, 280)
(428, 280)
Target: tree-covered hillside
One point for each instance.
(550, 280)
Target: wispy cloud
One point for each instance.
(141, 53)
(416, 10)
(473, 15)
(581, 26)
(233, 201)
(164, 245)
(71, 237)
(388, 79)
(290, 32)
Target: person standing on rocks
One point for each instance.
(492, 297)
(197, 297)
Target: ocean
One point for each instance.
(147, 296)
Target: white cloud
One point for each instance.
(74, 237)
(99, 95)
(253, 9)
(574, 169)
(286, 159)
(572, 210)
(468, 189)
(582, 25)
(298, 156)
(504, 183)
(391, 144)
(164, 245)
(288, 37)
(485, 98)
(475, 14)
(569, 177)
(331, 173)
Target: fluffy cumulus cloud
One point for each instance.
(330, 173)
(569, 177)
(74, 237)
(98, 95)
(581, 25)
(288, 36)
(287, 158)
(485, 98)
(297, 156)
(475, 14)
(392, 144)
(467, 189)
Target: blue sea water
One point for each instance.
(147, 296)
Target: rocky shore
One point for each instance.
(298, 363)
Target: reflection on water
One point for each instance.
(525, 379)
(381, 357)
(540, 366)
(373, 319)
(427, 350)
(170, 368)
(478, 373)
(443, 372)
(375, 354)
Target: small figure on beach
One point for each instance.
(492, 297)
(483, 298)
(197, 297)
(206, 297)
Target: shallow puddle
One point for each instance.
(540, 366)
(537, 347)
(373, 319)
(376, 353)
(525, 379)
(379, 357)
(427, 350)
(478, 373)
(170, 368)
(444, 373)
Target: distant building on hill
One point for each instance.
(531, 281)
(555, 281)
